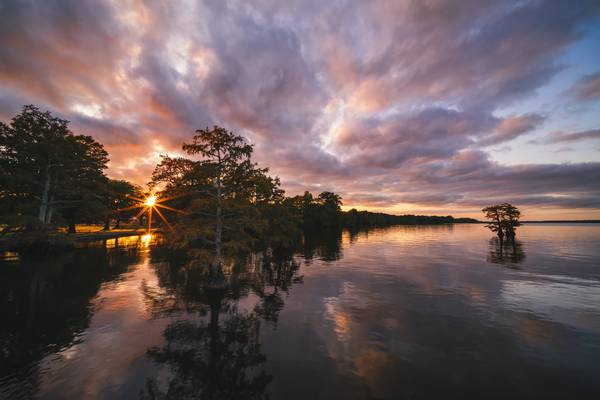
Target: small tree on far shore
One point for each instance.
(503, 220)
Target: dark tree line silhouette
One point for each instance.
(52, 178)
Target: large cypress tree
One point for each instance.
(47, 170)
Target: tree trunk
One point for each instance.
(106, 223)
(45, 195)
(218, 222)
(510, 233)
(118, 222)
(499, 225)
(72, 227)
(50, 211)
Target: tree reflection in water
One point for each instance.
(505, 252)
(218, 355)
(44, 305)
(324, 244)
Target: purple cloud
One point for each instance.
(562, 137)
(587, 88)
(512, 127)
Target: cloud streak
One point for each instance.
(587, 88)
(561, 137)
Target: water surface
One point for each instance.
(403, 312)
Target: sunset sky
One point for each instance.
(430, 107)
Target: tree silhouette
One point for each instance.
(120, 195)
(47, 170)
(229, 203)
(504, 220)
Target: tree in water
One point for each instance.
(511, 220)
(227, 200)
(226, 160)
(503, 220)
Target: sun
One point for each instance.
(150, 205)
(150, 201)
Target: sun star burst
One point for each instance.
(149, 205)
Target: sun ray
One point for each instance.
(129, 208)
(162, 217)
(134, 197)
(143, 210)
(170, 208)
(150, 204)
(127, 196)
(175, 196)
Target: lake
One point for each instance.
(411, 312)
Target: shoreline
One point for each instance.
(51, 240)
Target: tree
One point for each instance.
(228, 201)
(331, 200)
(330, 209)
(494, 214)
(504, 219)
(46, 168)
(226, 161)
(120, 194)
(323, 212)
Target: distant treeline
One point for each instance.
(359, 219)
(565, 221)
(324, 212)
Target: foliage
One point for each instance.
(324, 212)
(318, 213)
(121, 196)
(503, 219)
(365, 219)
(228, 202)
(47, 171)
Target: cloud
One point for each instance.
(54, 48)
(562, 137)
(512, 127)
(481, 54)
(587, 88)
(430, 134)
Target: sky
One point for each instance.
(426, 107)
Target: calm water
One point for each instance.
(405, 312)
